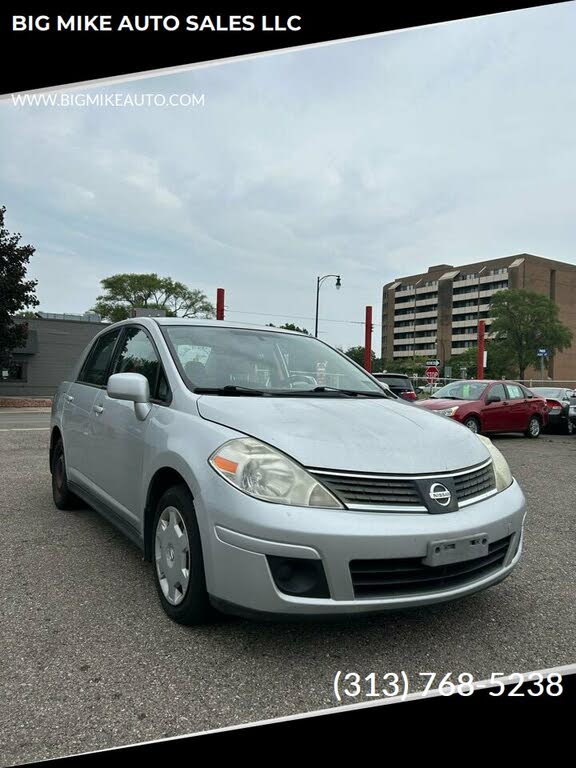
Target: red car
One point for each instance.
(491, 406)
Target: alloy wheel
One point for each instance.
(172, 554)
(534, 427)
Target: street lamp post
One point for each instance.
(319, 281)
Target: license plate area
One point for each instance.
(449, 551)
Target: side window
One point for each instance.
(138, 355)
(498, 391)
(95, 368)
(515, 392)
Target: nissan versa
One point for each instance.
(265, 473)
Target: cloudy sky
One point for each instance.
(372, 159)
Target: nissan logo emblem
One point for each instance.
(440, 494)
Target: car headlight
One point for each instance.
(448, 411)
(265, 473)
(501, 469)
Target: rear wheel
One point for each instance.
(62, 495)
(534, 428)
(569, 428)
(178, 560)
(473, 424)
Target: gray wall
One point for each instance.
(53, 353)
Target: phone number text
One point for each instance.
(352, 685)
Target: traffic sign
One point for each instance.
(432, 374)
(433, 363)
(542, 353)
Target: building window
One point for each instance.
(15, 372)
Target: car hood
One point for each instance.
(436, 404)
(350, 434)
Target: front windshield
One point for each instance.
(461, 390)
(216, 357)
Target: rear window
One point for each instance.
(395, 381)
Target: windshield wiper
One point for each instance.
(231, 389)
(349, 392)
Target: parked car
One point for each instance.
(264, 473)
(561, 404)
(490, 406)
(399, 383)
(429, 389)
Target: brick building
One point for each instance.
(436, 313)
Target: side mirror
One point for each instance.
(133, 387)
(493, 399)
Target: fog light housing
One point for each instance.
(299, 577)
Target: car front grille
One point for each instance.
(475, 483)
(400, 493)
(408, 576)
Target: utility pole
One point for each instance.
(220, 304)
(368, 340)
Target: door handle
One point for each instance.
(70, 398)
(98, 409)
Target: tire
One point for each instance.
(62, 495)
(473, 424)
(534, 428)
(178, 560)
(569, 428)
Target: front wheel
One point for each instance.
(178, 561)
(534, 428)
(473, 425)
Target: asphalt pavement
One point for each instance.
(89, 659)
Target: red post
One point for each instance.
(480, 361)
(368, 340)
(220, 304)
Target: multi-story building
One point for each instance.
(435, 314)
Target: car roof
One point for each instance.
(403, 375)
(148, 321)
(220, 324)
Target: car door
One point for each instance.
(80, 398)
(494, 415)
(520, 408)
(119, 436)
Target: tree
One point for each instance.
(406, 365)
(16, 293)
(124, 292)
(290, 327)
(499, 362)
(523, 322)
(357, 354)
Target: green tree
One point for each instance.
(16, 293)
(357, 354)
(124, 292)
(406, 365)
(499, 362)
(523, 322)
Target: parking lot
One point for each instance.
(90, 660)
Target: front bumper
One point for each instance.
(240, 532)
